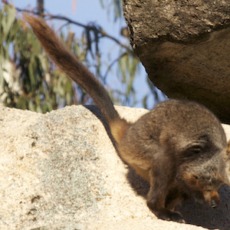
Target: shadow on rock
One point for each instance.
(140, 186)
(193, 213)
(207, 217)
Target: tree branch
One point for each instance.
(97, 29)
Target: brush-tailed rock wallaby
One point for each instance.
(179, 147)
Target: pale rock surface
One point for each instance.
(61, 171)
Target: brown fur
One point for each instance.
(179, 147)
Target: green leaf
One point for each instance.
(9, 19)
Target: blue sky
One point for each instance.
(86, 11)
(80, 10)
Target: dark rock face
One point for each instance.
(184, 47)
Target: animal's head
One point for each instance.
(203, 170)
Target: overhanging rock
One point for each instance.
(185, 48)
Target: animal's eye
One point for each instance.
(195, 149)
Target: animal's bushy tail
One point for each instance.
(70, 65)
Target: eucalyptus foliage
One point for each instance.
(115, 5)
(28, 80)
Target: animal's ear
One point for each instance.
(228, 150)
(226, 178)
(226, 153)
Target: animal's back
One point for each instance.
(168, 129)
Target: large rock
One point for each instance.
(60, 171)
(184, 47)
